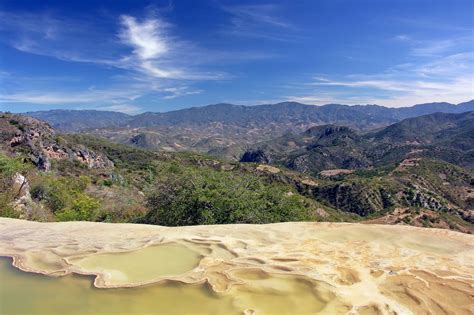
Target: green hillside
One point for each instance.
(328, 173)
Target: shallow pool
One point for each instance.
(135, 267)
(28, 293)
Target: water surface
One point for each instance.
(28, 293)
(134, 267)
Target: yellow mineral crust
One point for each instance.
(358, 269)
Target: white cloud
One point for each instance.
(121, 96)
(158, 54)
(73, 97)
(122, 108)
(27, 23)
(441, 46)
(174, 92)
(437, 70)
(402, 37)
(378, 84)
(144, 53)
(252, 102)
(455, 65)
(449, 78)
(157, 63)
(155, 51)
(148, 37)
(436, 46)
(91, 44)
(259, 21)
(150, 43)
(256, 13)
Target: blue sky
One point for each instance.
(135, 56)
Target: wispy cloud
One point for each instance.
(151, 59)
(27, 23)
(259, 21)
(122, 108)
(436, 47)
(175, 92)
(388, 85)
(428, 23)
(450, 78)
(252, 101)
(155, 51)
(256, 14)
(77, 40)
(74, 97)
(124, 95)
(436, 70)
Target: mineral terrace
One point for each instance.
(358, 268)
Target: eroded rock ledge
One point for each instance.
(367, 268)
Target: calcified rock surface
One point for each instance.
(365, 269)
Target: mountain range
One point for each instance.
(228, 130)
(358, 116)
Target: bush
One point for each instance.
(107, 183)
(213, 197)
(7, 211)
(10, 166)
(84, 208)
(58, 192)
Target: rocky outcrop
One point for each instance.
(93, 159)
(20, 186)
(257, 156)
(41, 143)
(23, 205)
(145, 140)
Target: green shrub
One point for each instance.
(9, 166)
(213, 197)
(84, 208)
(107, 183)
(58, 192)
(7, 211)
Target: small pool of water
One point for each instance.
(28, 293)
(134, 267)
